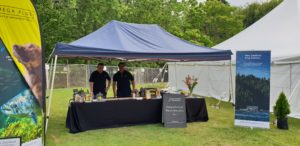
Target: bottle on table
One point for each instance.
(88, 96)
(97, 97)
(157, 93)
(77, 97)
(82, 95)
(100, 96)
(148, 94)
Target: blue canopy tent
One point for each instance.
(129, 41)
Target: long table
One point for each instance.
(117, 113)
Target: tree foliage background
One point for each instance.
(252, 91)
(205, 24)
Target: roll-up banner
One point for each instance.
(253, 89)
(22, 76)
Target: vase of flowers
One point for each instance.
(190, 82)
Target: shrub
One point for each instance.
(282, 107)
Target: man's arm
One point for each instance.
(108, 85)
(114, 88)
(108, 81)
(131, 77)
(91, 88)
(133, 85)
(92, 79)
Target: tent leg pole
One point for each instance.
(231, 81)
(163, 73)
(87, 74)
(68, 74)
(50, 73)
(290, 79)
(51, 93)
(176, 75)
(225, 67)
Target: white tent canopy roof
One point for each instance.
(278, 31)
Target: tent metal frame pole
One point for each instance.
(50, 73)
(87, 73)
(291, 79)
(160, 73)
(229, 86)
(50, 56)
(231, 81)
(176, 75)
(68, 74)
(51, 93)
(163, 73)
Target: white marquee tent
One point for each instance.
(278, 31)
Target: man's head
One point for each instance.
(100, 67)
(121, 66)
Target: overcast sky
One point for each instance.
(242, 2)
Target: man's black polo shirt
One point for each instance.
(123, 83)
(99, 80)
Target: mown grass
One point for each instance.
(219, 131)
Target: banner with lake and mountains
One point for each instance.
(253, 89)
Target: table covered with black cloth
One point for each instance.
(117, 113)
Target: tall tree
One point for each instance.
(206, 24)
(255, 11)
(215, 19)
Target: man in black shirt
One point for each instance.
(99, 81)
(123, 78)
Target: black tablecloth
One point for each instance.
(87, 116)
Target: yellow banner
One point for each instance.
(21, 72)
(18, 25)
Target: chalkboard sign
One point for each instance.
(174, 111)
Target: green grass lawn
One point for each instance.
(219, 130)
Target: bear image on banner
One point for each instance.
(30, 56)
